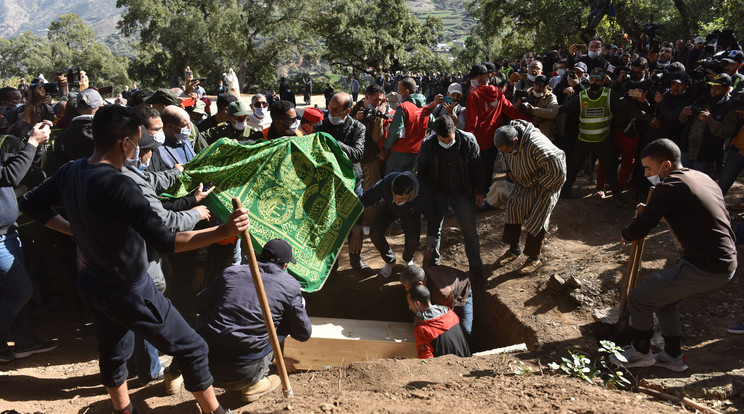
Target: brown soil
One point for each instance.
(584, 243)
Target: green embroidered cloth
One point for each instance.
(300, 189)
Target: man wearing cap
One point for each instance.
(733, 61)
(541, 105)
(76, 141)
(408, 129)
(711, 120)
(487, 106)
(235, 127)
(260, 118)
(595, 108)
(697, 53)
(231, 321)
(310, 117)
(452, 108)
(163, 98)
(669, 106)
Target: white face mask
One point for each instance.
(593, 54)
(183, 135)
(240, 125)
(294, 126)
(259, 112)
(400, 98)
(656, 179)
(130, 162)
(143, 165)
(561, 72)
(370, 106)
(538, 94)
(446, 146)
(159, 137)
(531, 77)
(474, 83)
(336, 120)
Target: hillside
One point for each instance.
(17, 16)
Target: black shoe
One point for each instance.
(6, 354)
(360, 265)
(38, 347)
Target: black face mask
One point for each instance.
(595, 87)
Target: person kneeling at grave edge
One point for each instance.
(437, 330)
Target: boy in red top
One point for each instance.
(437, 329)
(484, 112)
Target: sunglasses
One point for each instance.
(261, 104)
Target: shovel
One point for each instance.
(614, 315)
(268, 319)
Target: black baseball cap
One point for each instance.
(490, 67)
(734, 56)
(541, 80)
(277, 251)
(164, 97)
(477, 70)
(680, 77)
(722, 79)
(597, 73)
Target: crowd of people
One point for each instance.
(89, 174)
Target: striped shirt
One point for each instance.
(539, 171)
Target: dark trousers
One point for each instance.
(411, 227)
(607, 159)
(489, 159)
(236, 374)
(533, 244)
(119, 310)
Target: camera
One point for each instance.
(51, 88)
(721, 39)
(695, 110)
(371, 114)
(520, 94)
(651, 29)
(72, 75)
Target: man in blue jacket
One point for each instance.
(231, 322)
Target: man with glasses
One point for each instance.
(349, 133)
(259, 119)
(285, 123)
(517, 83)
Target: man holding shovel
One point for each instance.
(693, 207)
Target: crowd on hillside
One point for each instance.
(421, 145)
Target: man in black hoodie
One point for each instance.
(77, 140)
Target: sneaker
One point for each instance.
(736, 329)
(259, 389)
(530, 266)
(633, 358)
(505, 258)
(172, 383)
(6, 354)
(147, 381)
(664, 360)
(359, 265)
(409, 263)
(387, 270)
(39, 347)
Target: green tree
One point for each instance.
(369, 35)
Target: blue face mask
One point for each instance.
(446, 146)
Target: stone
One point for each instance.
(556, 283)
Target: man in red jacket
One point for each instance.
(438, 330)
(484, 112)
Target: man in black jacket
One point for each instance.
(230, 320)
(401, 195)
(449, 163)
(693, 207)
(349, 133)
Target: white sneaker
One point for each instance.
(387, 271)
(665, 360)
(633, 358)
(410, 263)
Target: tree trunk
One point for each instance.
(241, 72)
(684, 14)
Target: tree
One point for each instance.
(369, 35)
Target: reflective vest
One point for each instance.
(595, 117)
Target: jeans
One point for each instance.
(120, 309)
(400, 161)
(705, 167)
(17, 291)
(466, 315)
(146, 361)
(380, 223)
(662, 292)
(464, 208)
(731, 168)
(237, 374)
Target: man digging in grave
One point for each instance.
(437, 330)
(692, 205)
